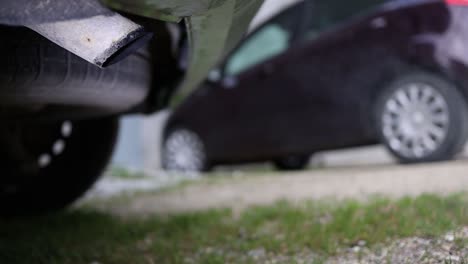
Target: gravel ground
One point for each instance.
(446, 249)
(247, 189)
(442, 250)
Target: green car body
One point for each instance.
(214, 28)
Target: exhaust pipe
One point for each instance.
(101, 40)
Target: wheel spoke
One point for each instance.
(428, 142)
(408, 144)
(402, 98)
(437, 105)
(414, 92)
(389, 119)
(418, 149)
(393, 107)
(426, 94)
(437, 132)
(440, 119)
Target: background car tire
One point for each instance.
(436, 122)
(183, 151)
(64, 172)
(35, 71)
(291, 163)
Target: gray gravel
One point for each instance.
(413, 250)
(349, 182)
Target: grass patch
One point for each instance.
(218, 237)
(124, 173)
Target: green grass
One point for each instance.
(85, 236)
(124, 173)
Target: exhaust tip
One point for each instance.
(102, 40)
(121, 49)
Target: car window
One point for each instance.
(267, 43)
(272, 39)
(327, 14)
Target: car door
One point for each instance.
(325, 66)
(249, 97)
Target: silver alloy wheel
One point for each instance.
(184, 151)
(415, 120)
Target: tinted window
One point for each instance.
(328, 13)
(272, 39)
(267, 43)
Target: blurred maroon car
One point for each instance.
(333, 74)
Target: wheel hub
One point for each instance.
(184, 152)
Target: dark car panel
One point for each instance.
(321, 92)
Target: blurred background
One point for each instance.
(140, 139)
(140, 145)
(140, 136)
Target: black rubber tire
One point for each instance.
(34, 70)
(70, 174)
(458, 111)
(292, 163)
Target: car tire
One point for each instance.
(35, 71)
(184, 151)
(49, 165)
(422, 117)
(292, 163)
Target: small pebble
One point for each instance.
(450, 237)
(356, 249)
(362, 243)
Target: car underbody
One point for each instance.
(70, 69)
(101, 36)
